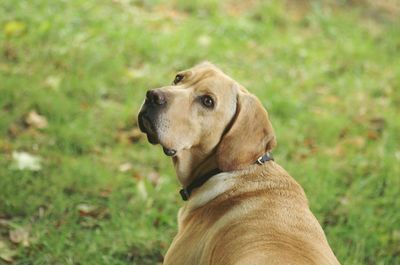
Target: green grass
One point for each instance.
(329, 75)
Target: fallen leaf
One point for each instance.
(336, 151)
(129, 136)
(5, 146)
(105, 192)
(59, 223)
(376, 127)
(4, 222)
(204, 40)
(10, 53)
(20, 236)
(86, 209)
(356, 141)
(344, 200)
(14, 130)
(6, 253)
(53, 82)
(331, 99)
(373, 135)
(135, 135)
(125, 167)
(26, 161)
(136, 175)
(33, 119)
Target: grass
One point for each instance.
(329, 75)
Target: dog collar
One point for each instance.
(186, 192)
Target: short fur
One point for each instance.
(250, 213)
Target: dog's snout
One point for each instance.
(156, 97)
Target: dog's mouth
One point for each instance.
(147, 126)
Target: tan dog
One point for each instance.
(250, 213)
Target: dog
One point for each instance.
(241, 208)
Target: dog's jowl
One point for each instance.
(241, 206)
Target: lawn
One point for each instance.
(80, 185)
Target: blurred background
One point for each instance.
(79, 184)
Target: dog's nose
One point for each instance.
(156, 97)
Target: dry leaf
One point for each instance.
(86, 209)
(204, 40)
(356, 141)
(35, 120)
(377, 125)
(53, 82)
(4, 222)
(5, 146)
(373, 135)
(26, 161)
(20, 236)
(336, 151)
(6, 253)
(105, 192)
(134, 135)
(130, 136)
(14, 130)
(125, 167)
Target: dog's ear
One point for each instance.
(249, 137)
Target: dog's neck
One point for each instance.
(190, 164)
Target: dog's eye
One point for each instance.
(207, 101)
(178, 78)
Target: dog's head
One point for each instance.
(207, 111)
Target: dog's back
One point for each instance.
(263, 218)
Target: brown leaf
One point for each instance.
(10, 53)
(135, 135)
(129, 136)
(373, 135)
(105, 192)
(136, 175)
(35, 120)
(5, 146)
(376, 127)
(336, 151)
(4, 222)
(88, 210)
(356, 141)
(59, 223)
(14, 130)
(20, 236)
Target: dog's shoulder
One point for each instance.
(246, 187)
